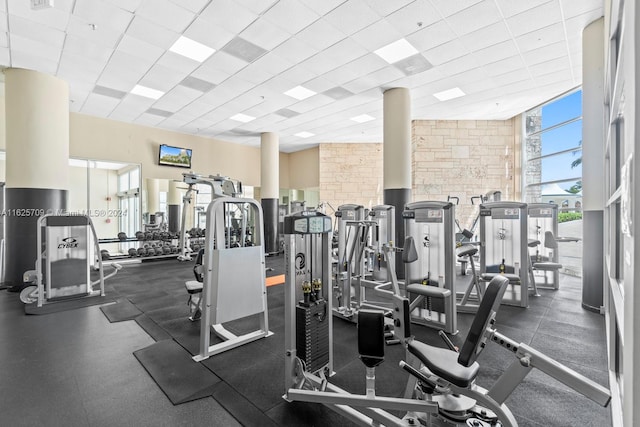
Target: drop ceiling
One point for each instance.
(505, 56)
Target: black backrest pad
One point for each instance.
(409, 252)
(488, 307)
(198, 270)
(371, 337)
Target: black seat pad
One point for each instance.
(532, 243)
(428, 291)
(466, 250)
(547, 266)
(514, 279)
(444, 363)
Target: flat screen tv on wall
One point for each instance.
(174, 156)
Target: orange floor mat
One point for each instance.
(275, 280)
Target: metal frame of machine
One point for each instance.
(543, 217)
(234, 277)
(503, 248)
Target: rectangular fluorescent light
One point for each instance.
(300, 93)
(396, 51)
(242, 118)
(191, 49)
(446, 95)
(305, 134)
(147, 92)
(362, 118)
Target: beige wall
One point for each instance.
(304, 169)
(351, 173)
(464, 158)
(104, 139)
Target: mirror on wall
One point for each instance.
(107, 191)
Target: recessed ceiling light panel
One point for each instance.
(300, 93)
(191, 49)
(396, 51)
(304, 134)
(446, 95)
(362, 118)
(147, 92)
(242, 118)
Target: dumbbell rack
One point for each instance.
(127, 259)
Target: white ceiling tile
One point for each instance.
(377, 35)
(446, 52)
(35, 48)
(177, 98)
(87, 49)
(103, 36)
(414, 17)
(576, 8)
(162, 78)
(28, 60)
(474, 17)
(557, 65)
(576, 24)
(385, 7)
(211, 35)
(271, 64)
(257, 6)
(128, 5)
(321, 62)
(230, 15)
(103, 14)
(254, 74)
(139, 48)
(448, 7)
(352, 16)
(3, 22)
(373, 80)
(510, 7)
(290, 15)
(487, 36)
(166, 14)
(322, 7)
(150, 32)
(4, 40)
(264, 34)
(545, 53)
(194, 6)
(131, 107)
(540, 38)
(495, 53)
(146, 119)
(35, 31)
(514, 76)
(431, 36)
(294, 50)
(503, 66)
(554, 77)
(99, 105)
(320, 35)
(4, 57)
(319, 84)
(195, 109)
(178, 62)
(534, 19)
(220, 62)
(56, 17)
(79, 68)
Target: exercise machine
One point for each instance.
(233, 285)
(430, 280)
(543, 229)
(503, 248)
(383, 233)
(221, 186)
(64, 262)
(441, 390)
(353, 231)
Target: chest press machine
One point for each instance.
(441, 390)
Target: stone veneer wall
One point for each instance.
(351, 173)
(459, 158)
(464, 158)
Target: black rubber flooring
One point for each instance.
(249, 381)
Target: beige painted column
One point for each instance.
(270, 189)
(397, 158)
(37, 161)
(593, 163)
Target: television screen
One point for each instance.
(175, 156)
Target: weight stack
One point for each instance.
(312, 335)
